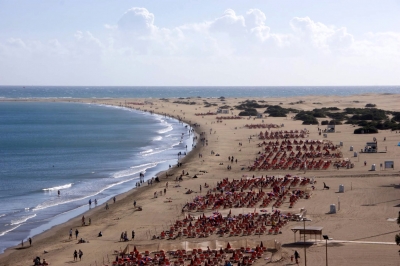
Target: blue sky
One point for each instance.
(189, 43)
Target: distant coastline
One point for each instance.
(116, 92)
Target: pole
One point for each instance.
(326, 246)
(304, 234)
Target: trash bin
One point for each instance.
(332, 208)
(355, 154)
(351, 148)
(341, 144)
(373, 167)
(341, 188)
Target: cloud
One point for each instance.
(137, 20)
(321, 36)
(229, 23)
(237, 46)
(255, 21)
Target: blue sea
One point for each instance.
(86, 151)
(195, 91)
(90, 151)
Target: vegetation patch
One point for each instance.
(250, 104)
(185, 102)
(366, 130)
(279, 111)
(307, 117)
(299, 102)
(248, 112)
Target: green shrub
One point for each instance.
(366, 130)
(248, 112)
(310, 121)
(276, 111)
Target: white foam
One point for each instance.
(50, 204)
(155, 152)
(165, 130)
(2, 215)
(9, 230)
(146, 151)
(22, 219)
(134, 170)
(158, 138)
(58, 187)
(146, 165)
(125, 173)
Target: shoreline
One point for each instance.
(357, 219)
(93, 210)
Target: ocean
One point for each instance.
(175, 92)
(86, 151)
(90, 151)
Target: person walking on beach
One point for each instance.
(76, 233)
(133, 234)
(106, 205)
(114, 199)
(134, 203)
(95, 201)
(75, 255)
(30, 241)
(70, 233)
(83, 220)
(59, 193)
(296, 257)
(80, 253)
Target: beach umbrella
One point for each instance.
(134, 249)
(261, 245)
(228, 246)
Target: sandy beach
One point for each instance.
(362, 230)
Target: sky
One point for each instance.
(199, 43)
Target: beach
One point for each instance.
(362, 229)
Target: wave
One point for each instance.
(165, 130)
(22, 219)
(176, 144)
(9, 230)
(58, 187)
(155, 152)
(45, 206)
(144, 165)
(125, 173)
(158, 138)
(134, 170)
(2, 215)
(146, 151)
